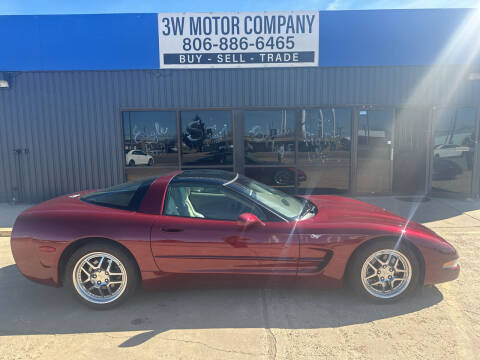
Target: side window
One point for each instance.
(208, 202)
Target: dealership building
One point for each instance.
(341, 102)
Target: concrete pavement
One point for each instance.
(441, 322)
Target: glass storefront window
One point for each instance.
(206, 138)
(150, 143)
(308, 151)
(269, 137)
(324, 143)
(454, 145)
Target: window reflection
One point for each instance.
(308, 150)
(269, 137)
(270, 145)
(276, 176)
(150, 143)
(206, 138)
(374, 151)
(324, 143)
(454, 142)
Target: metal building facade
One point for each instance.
(61, 132)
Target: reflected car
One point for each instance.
(138, 157)
(276, 175)
(211, 225)
(445, 169)
(449, 150)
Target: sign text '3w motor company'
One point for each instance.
(206, 40)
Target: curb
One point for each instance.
(5, 232)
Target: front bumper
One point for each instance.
(441, 264)
(439, 275)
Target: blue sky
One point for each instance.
(10, 7)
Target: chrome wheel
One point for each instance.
(99, 277)
(386, 273)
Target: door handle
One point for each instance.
(171, 230)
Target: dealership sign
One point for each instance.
(232, 40)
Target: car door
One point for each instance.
(142, 158)
(136, 157)
(198, 233)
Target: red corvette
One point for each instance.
(213, 224)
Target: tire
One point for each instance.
(150, 162)
(368, 275)
(112, 288)
(283, 177)
(131, 163)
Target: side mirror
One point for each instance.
(247, 220)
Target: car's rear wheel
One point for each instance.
(131, 163)
(150, 162)
(101, 275)
(384, 271)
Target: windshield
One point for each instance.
(285, 205)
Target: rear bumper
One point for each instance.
(36, 260)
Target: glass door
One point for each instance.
(410, 155)
(323, 153)
(453, 151)
(374, 151)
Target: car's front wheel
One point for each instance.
(283, 177)
(384, 271)
(101, 275)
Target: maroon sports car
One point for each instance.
(199, 224)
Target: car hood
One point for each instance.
(346, 211)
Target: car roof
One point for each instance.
(204, 175)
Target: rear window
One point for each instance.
(126, 196)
